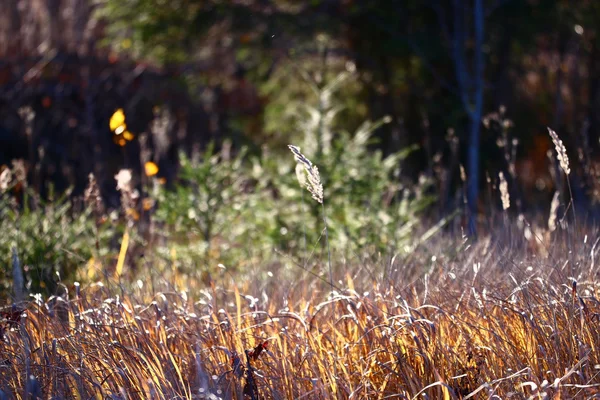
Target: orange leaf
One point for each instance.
(151, 168)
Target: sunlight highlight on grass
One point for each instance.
(122, 254)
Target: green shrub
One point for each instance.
(237, 210)
(207, 215)
(52, 238)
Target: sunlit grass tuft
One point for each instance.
(481, 323)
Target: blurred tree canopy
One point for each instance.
(438, 68)
(430, 65)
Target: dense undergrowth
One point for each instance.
(235, 207)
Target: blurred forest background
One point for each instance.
(236, 70)
(147, 191)
(453, 91)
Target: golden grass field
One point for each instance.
(482, 322)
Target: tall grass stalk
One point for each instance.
(302, 178)
(328, 248)
(563, 159)
(314, 185)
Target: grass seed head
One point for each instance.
(504, 196)
(92, 195)
(313, 181)
(463, 174)
(553, 211)
(561, 151)
(301, 174)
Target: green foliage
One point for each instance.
(295, 83)
(52, 239)
(369, 208)
(207, 215)
(236, 210)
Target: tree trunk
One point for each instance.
(473, 168)
(475, 112)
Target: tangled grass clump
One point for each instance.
(484, 323)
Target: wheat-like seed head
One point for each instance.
(313, 181)
(553, 211)
(301, 174)
(92, 194)
(561, 151)
(504, 196)
(463, 173)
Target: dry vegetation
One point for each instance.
(514, 314)
(481, 322)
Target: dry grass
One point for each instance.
(484, 323)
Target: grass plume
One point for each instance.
(563, 160)
(313, 179)
(313, 183)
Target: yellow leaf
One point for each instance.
(128, 135)
(151, 168)
(117, 119)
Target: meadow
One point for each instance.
(272, 277)
(452, 320)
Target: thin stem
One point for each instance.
(305, 256)
(572, 202)
(328, 248)
(570, 238)
(330, 284)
